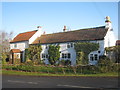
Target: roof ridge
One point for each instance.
(75, 30)
(28, 31)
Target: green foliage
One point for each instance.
(116, 50)
(65, 62)
(62, 69)
(33, 53)
(105, 64)
(26, 55)
(54, 54)
(80, 58)
(117, 53)
(3, 57)
(83, 49)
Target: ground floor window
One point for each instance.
(66, 55)
(44, 55)
(93, 57)
(96, 57)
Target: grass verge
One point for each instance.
(12, 72)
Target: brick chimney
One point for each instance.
(64, 29)
(108, 23)
(39, 27)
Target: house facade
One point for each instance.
(20, 43)
(102, 35)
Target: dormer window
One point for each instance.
(69, 45)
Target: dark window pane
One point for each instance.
(71, 44)
(62, 55)
(46, 55)
(42, 55)
(65, 55)
(69, 55)
(98, 51)
(68, 45)
(96, 56)
(91, 57)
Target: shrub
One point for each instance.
(62, 62)
(105, 64)
(67, 62)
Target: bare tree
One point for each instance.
(5, 38)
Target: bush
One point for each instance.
(67, 62)
(105, 64)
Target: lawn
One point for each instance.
(13, 72)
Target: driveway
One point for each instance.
(13, 81)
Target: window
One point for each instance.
(68, 45)
(69, 55)
(15, 45)
(91, 57)
(46, 55)
(71, 44)
(46, 46)
(98, 51)
(43, 55)
(66, 55)
(18, 56)
(62, 55)
(96, 57)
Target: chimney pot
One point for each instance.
(64, 28)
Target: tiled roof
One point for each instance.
(15, 50)
(97, 33)
(118, 42)
(23, 36)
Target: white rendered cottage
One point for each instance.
(20, 43)
(102, 35)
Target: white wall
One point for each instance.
(20, 45)
(63, 49)
(35, 36)
(109, 39)
(101, 50)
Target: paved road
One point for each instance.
(10, 81)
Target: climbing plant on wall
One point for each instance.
(54, 54)
(33, 52)
(116, 51)
(83, 49)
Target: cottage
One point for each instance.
(20, 43)
(102, 35)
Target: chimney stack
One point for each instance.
(108, 23)
(39, 27)
(64, 28)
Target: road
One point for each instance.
(12, 81)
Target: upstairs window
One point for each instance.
(69, 45)
(15, 45)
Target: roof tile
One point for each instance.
(23, 36)
(97, 33)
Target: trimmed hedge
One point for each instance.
(63, 70)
